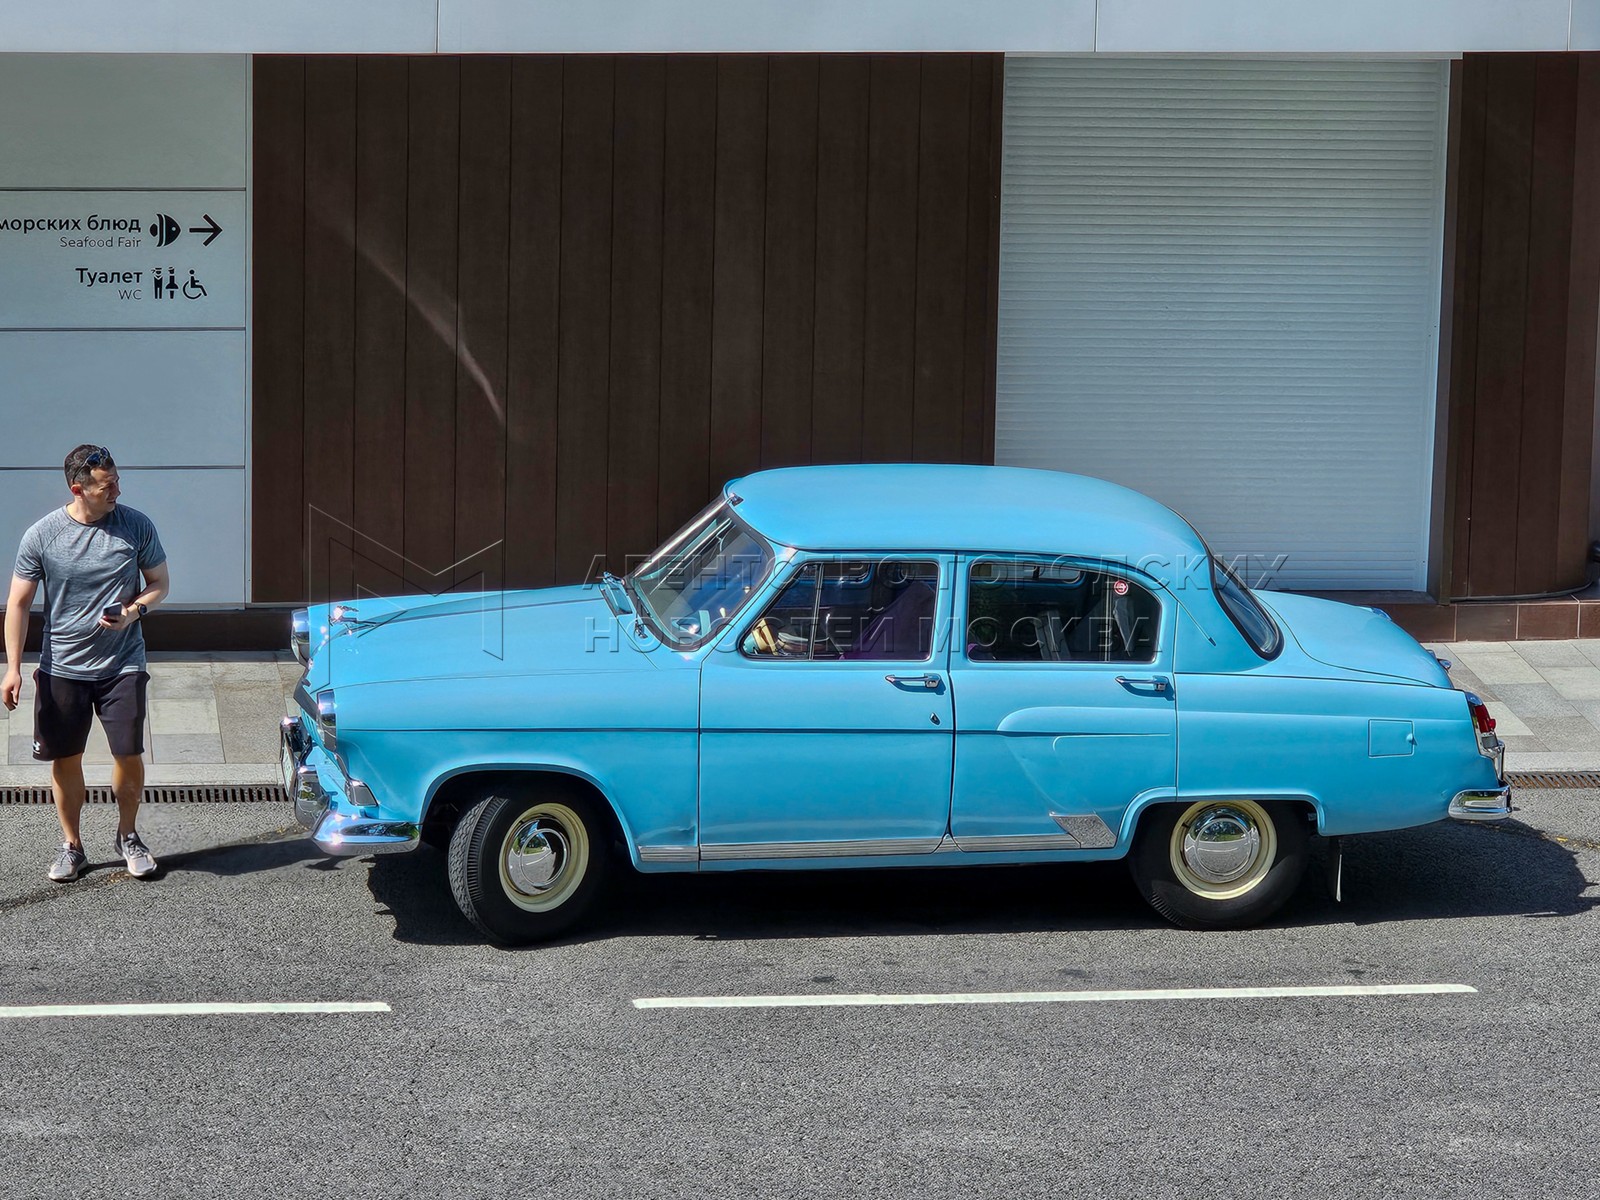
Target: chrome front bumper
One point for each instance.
(337, 825)
(1481, 804)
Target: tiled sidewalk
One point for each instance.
(214, 717)
(1545, 697)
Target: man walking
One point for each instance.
(90, 556)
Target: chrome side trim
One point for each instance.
(669, 854)
(1079, 831)
(865, 848)
(1481, 804)
(1092, 833)
(1021, 841)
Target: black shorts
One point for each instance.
(62, 707)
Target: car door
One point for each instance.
(1065, 707)
(826, 721)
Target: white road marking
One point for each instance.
(213, 1008)
(871, 999)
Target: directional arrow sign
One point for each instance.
(210, 229)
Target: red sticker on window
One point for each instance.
(1120, 587)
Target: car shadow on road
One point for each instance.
(415, 890)
(1436, 872)
(1450, 870)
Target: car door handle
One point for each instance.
(927, 681)
(1156, 683)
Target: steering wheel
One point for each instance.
(766, 637)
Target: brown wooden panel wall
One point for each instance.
(1526, 297)
(554, 302)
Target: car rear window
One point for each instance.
(1245, 611)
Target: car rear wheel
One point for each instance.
(1219, 864)
(526, 866)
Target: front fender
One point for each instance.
(649, 782)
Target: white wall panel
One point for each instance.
(1585, 25)
(159, 144)
(221, 26)
(1219, 284)
(1019, 26)
(199, 514)
(150, 397)
(1345, 27)
(155, 121)
(763, 25)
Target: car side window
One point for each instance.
(853, 611)
(1042, 611)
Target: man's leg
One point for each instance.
(61, 709)
(66, 781)
(121, 704)
(127, 781)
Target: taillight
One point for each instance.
(1481, 720)
(1489, 746)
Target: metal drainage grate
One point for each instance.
(1534, 780)
(257, 793)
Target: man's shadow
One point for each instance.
(246, 858)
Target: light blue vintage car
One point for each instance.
(881, 666)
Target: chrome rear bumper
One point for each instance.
(1481, 804)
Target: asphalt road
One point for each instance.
(532, 1072)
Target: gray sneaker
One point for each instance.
(137, 855)
(69, 863)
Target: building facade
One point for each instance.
(417, 296)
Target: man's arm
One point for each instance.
(17, 606)
(157, 583)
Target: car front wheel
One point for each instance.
(526, 866)
(1219, 864)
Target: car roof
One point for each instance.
(934, 507)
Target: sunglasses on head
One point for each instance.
(97, 457)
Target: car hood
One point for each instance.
(1356, 639)
(547, 631)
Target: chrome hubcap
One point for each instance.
(1223, 849)
(544, 857)
(536, 853)
(1221, 845)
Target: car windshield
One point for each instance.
(696, 583)
(1240, 604)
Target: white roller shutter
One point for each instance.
(1219, 284)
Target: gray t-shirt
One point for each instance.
(86, 569)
